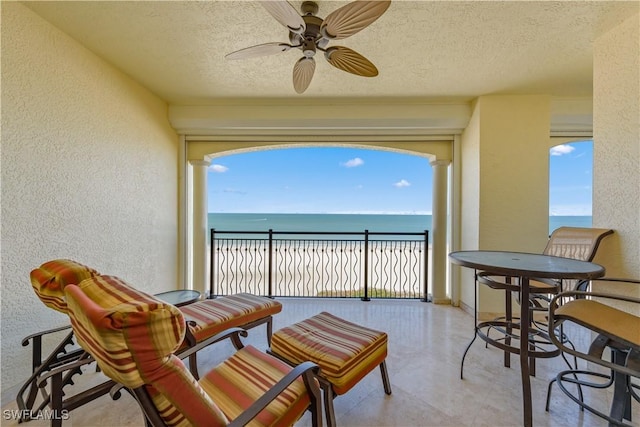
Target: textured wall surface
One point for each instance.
(89, 172)
(504, 203)
(616, 128)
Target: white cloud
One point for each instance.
(233, 191)
(560, 150)
(218, 168)
(402, 183)
(353, 163)
(570, 210)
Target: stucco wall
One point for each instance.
(616, 148)
(470, 201)
(89, 172)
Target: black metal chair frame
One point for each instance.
(50, 376)
(541, 345)
(624, 364)
(308, 371)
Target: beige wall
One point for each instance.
(469, 202)
(89, 172)
(505, 182)
(616, 152)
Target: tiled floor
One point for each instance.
(426, 343)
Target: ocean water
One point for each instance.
(311, 223)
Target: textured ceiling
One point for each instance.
(423, 49)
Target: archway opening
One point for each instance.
(322, 194)
(570, 184)
(387, 190)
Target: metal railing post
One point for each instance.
(425, 298)
(366, 266)
(212, 262)
(270, 272)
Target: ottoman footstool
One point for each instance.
(344, 351)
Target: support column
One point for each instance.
(439, 233)
(184, 278)
(199, 231)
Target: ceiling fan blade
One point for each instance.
(350, 61)
(349, 19)
(259, 50)
(303, 73)
(286, 15)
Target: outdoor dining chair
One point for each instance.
(579, 243)
(611, 320)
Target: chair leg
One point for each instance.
(269, 330)
(328, 396)
(621, 404)
(193, 365)
(385, 377)
(508, 313)
(56, 400)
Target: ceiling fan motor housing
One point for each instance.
(311, 38)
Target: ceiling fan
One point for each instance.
(310, 34)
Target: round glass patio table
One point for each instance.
(525, 266)
(179, 297)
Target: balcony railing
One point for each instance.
(320, 264)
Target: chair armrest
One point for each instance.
(497, 281)
(583, 285)
(65, 368)
(583, 294)
(227, 333)
(579, 317)
(25, 340)
(306, 369)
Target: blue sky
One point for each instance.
(351, 180)
(570, 179)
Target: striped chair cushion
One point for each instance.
(215, 315)
(50, 278)
(240, 380)
(110, 317)
(133, 336)
(345, 352)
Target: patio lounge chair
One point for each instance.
(134, 339)
(205, 319)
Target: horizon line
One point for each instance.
(416, 213)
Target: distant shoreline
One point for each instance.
(346, 222)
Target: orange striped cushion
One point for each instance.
(248, 374)
(50, 278)
(133, 336)
(345, 352)
(214, 315)
(112, 320)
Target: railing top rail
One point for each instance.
(349, 233)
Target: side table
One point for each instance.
(179, 297)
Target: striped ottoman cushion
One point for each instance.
(240, 380)
(208, 317)
(345, 352)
